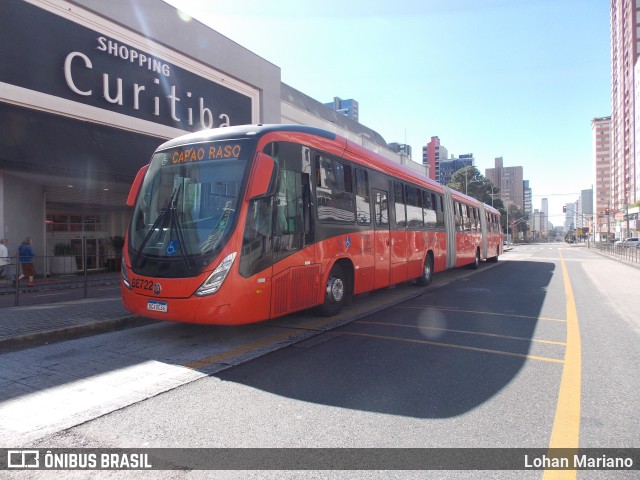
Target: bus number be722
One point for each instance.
(142, 283)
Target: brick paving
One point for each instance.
(22, 327)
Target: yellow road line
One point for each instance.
(453, 309)
(566, 425)
(234, 352)
(468, 332)
(242, 349)
(453, 345)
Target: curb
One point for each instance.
(45, 337)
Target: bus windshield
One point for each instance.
(186, 207)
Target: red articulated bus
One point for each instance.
(241, 224)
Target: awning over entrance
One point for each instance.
(40, 144)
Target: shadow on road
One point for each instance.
(412, 359)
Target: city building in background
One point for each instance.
(528, 203)
(510, 181)
(537, 222)
(625, 163)
(569, 217)
(584, 213)
(601, 136)
(544, 211)
(450, 166)
(401, 148)
(403, 152)
(432, 154)
(587, 203)
(348, 108)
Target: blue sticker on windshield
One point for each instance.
(172, 247)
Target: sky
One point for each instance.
(518, 79)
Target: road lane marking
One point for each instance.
(566, 424)
(234, 352)
(469, 332)
(315, 325)
(453, 309)
(453, 345)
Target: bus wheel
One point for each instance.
(336, 292)
(476, 261)
(427, 272)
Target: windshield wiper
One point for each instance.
(175, 224)
(170, 208)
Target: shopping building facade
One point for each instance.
(88, 90)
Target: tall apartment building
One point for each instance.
(585, 208)
(349, 108)
(538, 221)
(601, 133)
(528, 201)
(509, 180)
(569, 217)
(432, 154)
(625, 49)
(446, 168)
(544, 210)
(401, 148)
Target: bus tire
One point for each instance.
(494, 259)
(336, 292)
(427, 272)
(476, 261)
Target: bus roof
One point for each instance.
(242, 131)
(352, 150)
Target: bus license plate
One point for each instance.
(157, 306)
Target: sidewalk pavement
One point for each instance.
(28, 326)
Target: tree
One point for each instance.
(469, 180)
(517, 220)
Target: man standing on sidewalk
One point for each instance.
(5, 261)
(26, 253)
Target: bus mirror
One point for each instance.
(137, 183)
(261, 178)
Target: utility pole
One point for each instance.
(608, 221)
(507, 224)
(626, 204)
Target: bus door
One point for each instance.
(382, 242)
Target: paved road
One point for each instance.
(479, 360)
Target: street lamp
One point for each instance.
(492, 194)
(520, 220)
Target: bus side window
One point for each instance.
(440, 211)
(458, 215)
(467, 217)
(401, 213)
(429, 209)
(381, 209)
(290, 197)
(363, 207)
(334, 190)
(257, 239)
(414, 207)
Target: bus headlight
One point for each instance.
(125, 274)
(213, 283)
